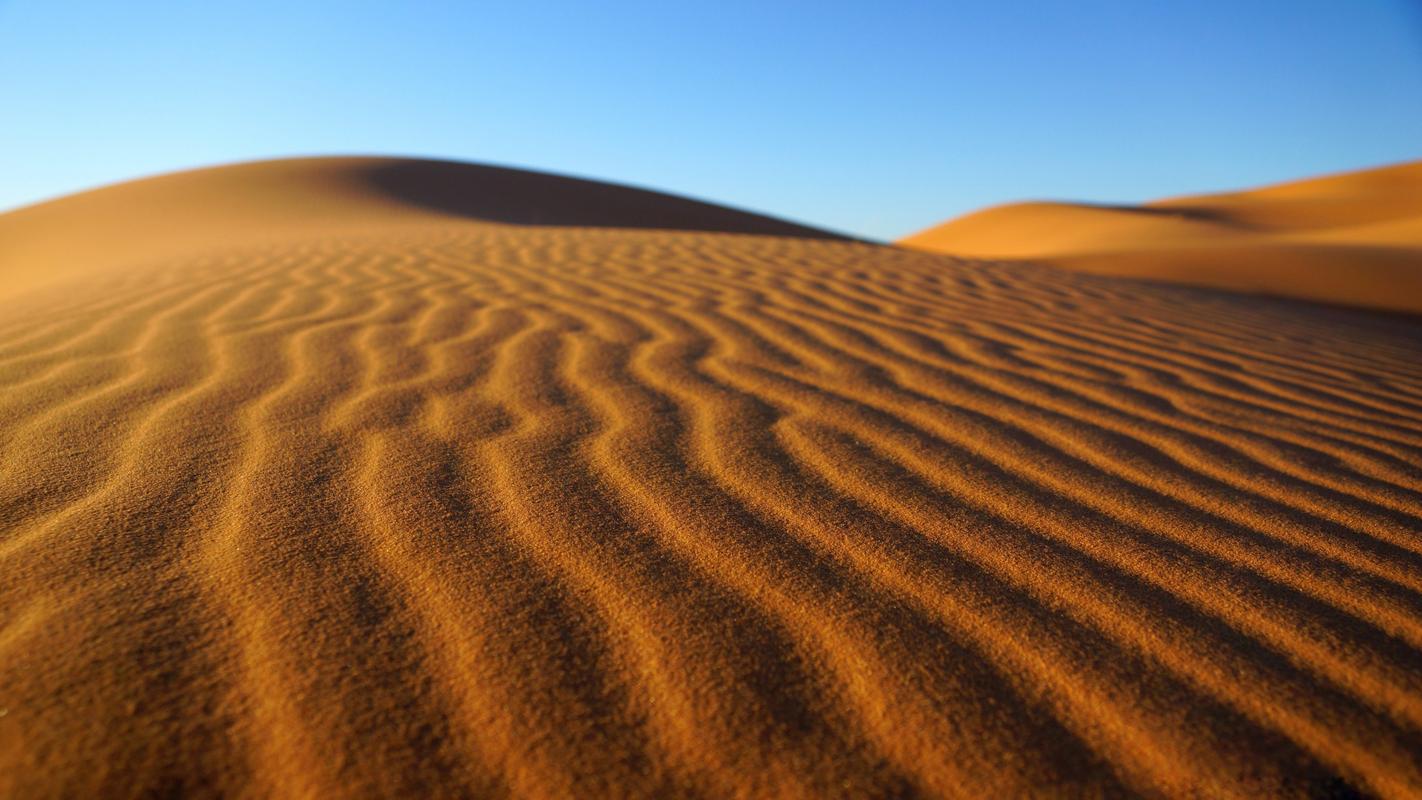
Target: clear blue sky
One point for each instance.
(876, 118)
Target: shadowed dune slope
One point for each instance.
(1354, 239)
(440, 507)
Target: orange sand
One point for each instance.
(1353, 239)
(314, 487)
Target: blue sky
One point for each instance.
(874, 118)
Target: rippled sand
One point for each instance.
(453, 508)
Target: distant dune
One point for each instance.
(375, 478)
(1354, 239)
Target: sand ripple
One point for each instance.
(476, 510)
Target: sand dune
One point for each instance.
(1354, 239)
(389, 500)
(203, 211)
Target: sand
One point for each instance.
(1353, 239)
(340, 491)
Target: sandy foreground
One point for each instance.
(321, 479)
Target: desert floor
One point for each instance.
(453, 507)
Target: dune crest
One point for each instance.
(1353, 239)
(406, 503)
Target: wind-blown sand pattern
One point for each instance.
(457, 508)
(1352, 239)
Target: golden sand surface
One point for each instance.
(1352, 239)
(339, 491)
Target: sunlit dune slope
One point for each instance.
(1354, 239)
(411, 503)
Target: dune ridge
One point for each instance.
(458, 508)
(1351, 239)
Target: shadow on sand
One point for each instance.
(514, 196)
